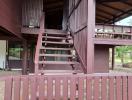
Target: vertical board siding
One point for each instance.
(68, 87)
(77, 24)
(10, 15)
(31, 12)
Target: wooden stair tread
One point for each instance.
(50, 42)
(60, 71)
(55, 33)
(58, 62)
(46, 48)
(56, 55)
(54, 37)
(54, 30)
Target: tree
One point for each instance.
(120, 51)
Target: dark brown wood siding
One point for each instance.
(10, 15)
(31, 12)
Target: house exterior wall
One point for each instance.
(10, 15)
(101, 58)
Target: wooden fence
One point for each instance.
(68, 87)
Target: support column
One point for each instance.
(90, 35)
(25, 58)
(113, 57)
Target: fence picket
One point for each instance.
(8, 88)
(17, 85)
(50, 88)
(130, 88)
(89, 88)
(65, 88)
(57, 88)
(104, 88)
(72, 88)
(33, 87)
(96, 88)
(25, 88)
(118, 88)
(81, 88)
(125, 88)
(111, 88)
(41, 88)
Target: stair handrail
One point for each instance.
(81, 61)
(39, 41)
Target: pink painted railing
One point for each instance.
(113, 32)
(72, 87)
(39, 42)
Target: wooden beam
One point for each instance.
(90, 33)
(102, 16)
(108, 6)
(105, 12)
(130, 10)
(25, 58)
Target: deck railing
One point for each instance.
(68, 87)
(113, 32)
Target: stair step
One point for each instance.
(55, 30)
(46, 48)
(60, 71)
(55, 33)
(53, 37)
(64, 43)
(55, 55)
(58, 62)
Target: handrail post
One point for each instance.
(39, 41)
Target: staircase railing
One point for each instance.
(78, 55)
(78, 28)
(39, 42)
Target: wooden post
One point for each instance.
(24, 56)
(90, 34)
(113, 57)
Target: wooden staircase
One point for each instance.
(57, 54)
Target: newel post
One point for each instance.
(90, 35)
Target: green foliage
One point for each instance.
(15, 52)
(122, 51)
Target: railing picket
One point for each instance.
(17, 85)
(118, 88)
(8, 88)
(111, 88)
(89, 88)
(96, 88)
(81, 88)
(124, 90)
(65, 88)
(57, 88)
(104, 88)
(41, 88)
(50, 88)
(25, 88)
(33, 87)
(130, 88)
(72, 88)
